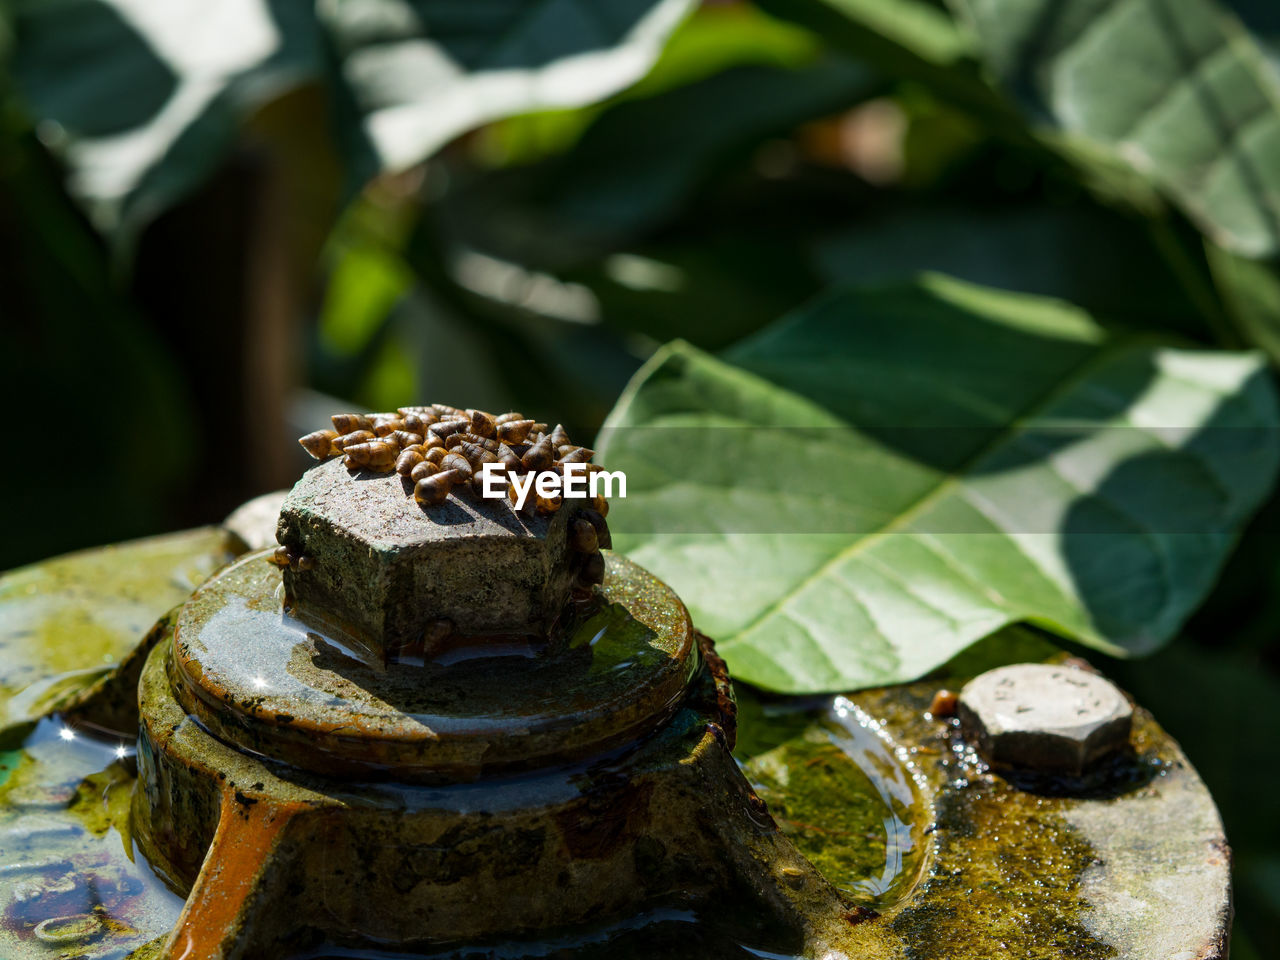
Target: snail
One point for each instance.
(582, 536)
(596, 519)
(440, 447)
(375, 455)
(406, 438)
(593, 568)
(458, 464)
(407, 460)
(320, 443)
(349, 422)
(483, 424)
(442, 428)
(539, 456)
(434, 489)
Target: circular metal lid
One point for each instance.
(256, 677)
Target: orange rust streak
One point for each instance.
(242, 846)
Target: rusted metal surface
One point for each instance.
(726, 705)
(1045, 717)
(299, 790)
(273, 686)
(382, 568)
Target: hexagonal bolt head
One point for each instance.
(386, 571)
(1044, 718)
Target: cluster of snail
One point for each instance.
(441, 449)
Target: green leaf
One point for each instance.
(911, 25)
(1023, 247)
(1250, 289)
(911, 40)
(1175, 90)
(712, 287)
(713, 38)
(420, 72)
(867, 487)
(638, 162)
(143, 100)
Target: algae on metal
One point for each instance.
(71, 883)
(1132, 865)
(66, 621)
(840, 814)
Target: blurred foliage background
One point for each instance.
(220, 223)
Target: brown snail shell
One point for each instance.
(558, 437)
(458, 464)
(453, 441)
(423, 469)
(382, 426)
(601, 505)
(482, 423)
(433, 490)
(355, 436)
(418, 423)
(514, 431)
(406, 438)
(444, 428)
(282, 557)
(538, 457)
(944, 703)
(435, 455)
(475, 453)
(508, 458)
(377, 455)
(549, 504)
(508, 418)
(593, 568)
(349, 422)
(576, 455)
(582, 536)
(407, 460)
(596, 519)
(320, 443)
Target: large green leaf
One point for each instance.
(642, 160)
(1250, 289)
(143, 98)
(862, 490)
(1078, 251)
(1176, 90)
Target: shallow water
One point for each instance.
(73, 883)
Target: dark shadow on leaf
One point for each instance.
(81, 65)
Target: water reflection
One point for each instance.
(71, 880)
(836, 787)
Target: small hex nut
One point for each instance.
(383, 570)
(1044, 718)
